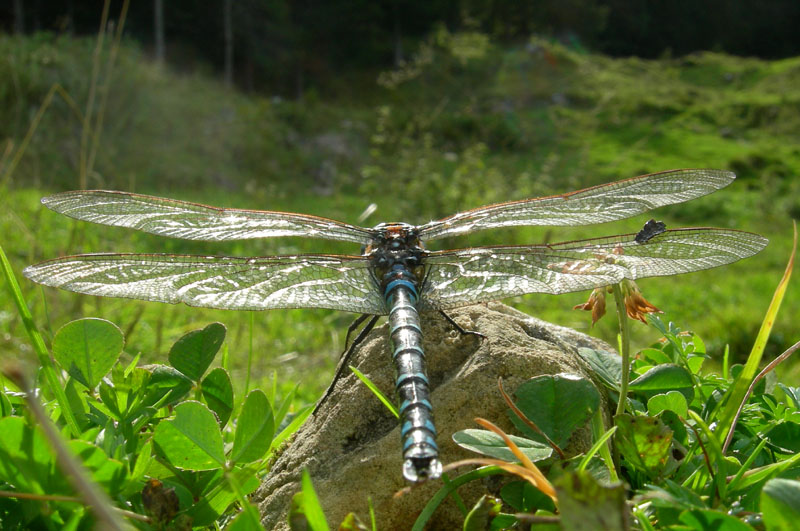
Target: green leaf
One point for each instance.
(76, 400)
(351, 522)
(216, 501)
(5, 404)
(110, 405)
(166, 386)
(679, 432)
(143, 458)
(606, 365)
(793, 393)
(87, 349)
(524, 497)
(664, 378)
(780, 504)
(109, 473)
(490, 444)
(671, 401)
(695, 363)
(502, 522)
(132, 366)
(658, 324)
(26, 461)
(218, 394)
(192, 439)
(557, 404)
(673, 496)
(254, 429)
(246, 521)
(586, 504)
(306, 511)
(785, 435)
(705, 519)
(486, 508)
(193, 353)
(644, 442)
(654, 356)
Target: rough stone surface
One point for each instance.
(351, 447)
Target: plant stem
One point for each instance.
(250, 353)
(87, 115)
(625, 347)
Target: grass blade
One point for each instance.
(372, 387)
(596, 448)
(49, 370)
(447, 489)
(311, 505)
(727, 419)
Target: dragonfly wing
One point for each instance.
(466, 276)
(598, 204)
(193, 221)
(305, 281)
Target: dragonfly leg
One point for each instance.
(458, 327)
(352, 328)
(348, 353)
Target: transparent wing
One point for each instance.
(193, 221)
(598, 204)
(306, 281)
(465, 276)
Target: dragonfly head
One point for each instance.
(394, 227)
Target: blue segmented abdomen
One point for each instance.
(420, 453)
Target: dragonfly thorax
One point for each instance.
(396, 246)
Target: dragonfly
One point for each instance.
(395, 274)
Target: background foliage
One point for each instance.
(288, 46)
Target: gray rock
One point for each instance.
(351, 447)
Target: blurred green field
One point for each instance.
(465, 123)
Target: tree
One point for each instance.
(158, 12)
(19, 18)
(227, 20)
